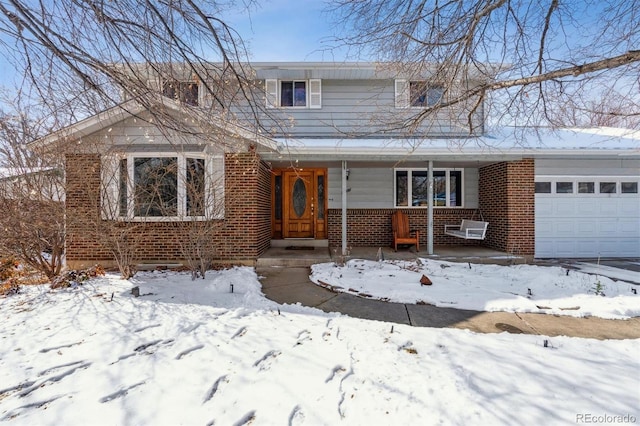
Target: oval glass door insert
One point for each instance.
(299, 197)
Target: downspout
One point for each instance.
(344, 207)
(430, 209)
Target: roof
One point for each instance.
(505, 143)
(14, 172)
(360, 70)
(132, 108)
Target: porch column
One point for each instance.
(430, 209)
(344, 207)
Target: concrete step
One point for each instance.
(279, 256)
(299, 242)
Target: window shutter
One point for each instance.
(109, 187)
(204, 100)
(215, 171)
(271, 92)
(315, 93)
(402, 94)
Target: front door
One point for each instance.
(299, 203)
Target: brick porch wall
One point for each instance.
(244, 234)
(507, 201)
(372, 227)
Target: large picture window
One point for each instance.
(155, 183)
(412, 186)
(148, 187)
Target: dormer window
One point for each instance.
(181, 91)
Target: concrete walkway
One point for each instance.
(292, 285)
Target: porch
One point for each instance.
(350, 203)
(299, 255)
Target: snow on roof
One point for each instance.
(504, 141)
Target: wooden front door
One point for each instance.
(300, 204)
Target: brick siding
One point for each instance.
(372, 227)
(243, 235)
(507, 201)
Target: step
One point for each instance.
(299, 242)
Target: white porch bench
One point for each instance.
(468, 229)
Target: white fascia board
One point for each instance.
(440, 147)
(91, 124)
(131, 108)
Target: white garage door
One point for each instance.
(584, 217)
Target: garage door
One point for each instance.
(581, 217)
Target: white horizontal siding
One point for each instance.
(372, 188)
(363, 107)
(587, 167)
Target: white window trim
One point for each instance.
(424, 169)
(110, 197)
(553, 179)
(313, 93)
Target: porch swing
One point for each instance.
(469, 229)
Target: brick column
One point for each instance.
(507, 202)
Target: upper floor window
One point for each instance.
(418, 94)
(423, 94)
(412, 186)
(293, 93)
(182, 91)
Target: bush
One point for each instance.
(9, 287)
(8, 268)
(73, 277)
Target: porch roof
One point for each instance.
(503, 145)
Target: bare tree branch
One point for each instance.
(547, 56)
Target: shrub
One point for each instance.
(73, 277)
(9, 287)
(8, 268)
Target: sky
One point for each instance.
(275, 30)
(281, 30)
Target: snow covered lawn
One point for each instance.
(194, 353)
(518, 288)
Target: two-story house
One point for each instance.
(339, 155)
